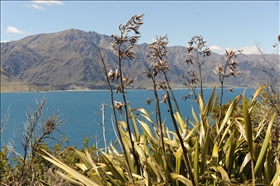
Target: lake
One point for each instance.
(81, 110)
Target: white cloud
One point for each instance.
(14, 30)
(248, 49)
(4, 41)
(214, 47)
(245, 49)
(37, 7)
(49, 3)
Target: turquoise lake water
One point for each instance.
(80, 110)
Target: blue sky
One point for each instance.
(224, 24)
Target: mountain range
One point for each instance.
(70, 60)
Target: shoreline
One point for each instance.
(94, 90)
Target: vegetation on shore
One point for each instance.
(233, 143)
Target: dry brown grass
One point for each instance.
(11, 84)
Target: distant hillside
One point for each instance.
(69, 60)
(12, 84)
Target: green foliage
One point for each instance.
(219, 154)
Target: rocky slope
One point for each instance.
(70, 59)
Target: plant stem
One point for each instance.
(200, 79)
(158, 115)
(185, 153)
(115, 117)
(222, 78)
(126, 110)
(172, 94)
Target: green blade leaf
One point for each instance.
(262, 154)
(115, 170)
(182, 179)
(196, 160)
(136, 130)
(180, 121)
(84, 159)
(70, 180)
(68, 169)
(223, 173)
(248, 126)
(229, 113)
(257, 93)
(209, 104)
(178, 156)
(246, 160)
(276, 176)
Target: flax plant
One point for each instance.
(123, 49)
(218, 155)
(185, 153)
(109, 76)
(158, 53)
(197, 52)
(222, 71)
(191, 83)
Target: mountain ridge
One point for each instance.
(70, 57)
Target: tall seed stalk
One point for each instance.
(222, 72)
(122, 47)
(151, 74)
(115, 116)
(185, 153)
(156, 53)
(196, 52)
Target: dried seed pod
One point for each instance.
(118, 105)
(219, 69)
(111, 74)
(185, 97)
(238, 73)
(232, 72)
(148, 101)
(117, 74)
(189, 60)
(133, 24)
(131, 81)
(164, 98)
(125, 78)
